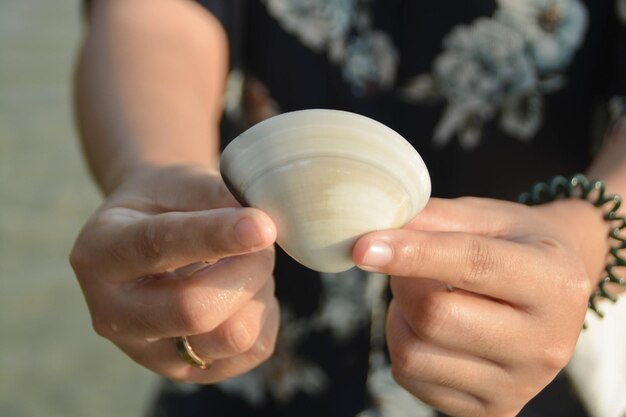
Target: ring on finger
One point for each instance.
(187, 354)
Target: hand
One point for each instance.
(510, 321)
(171, 253)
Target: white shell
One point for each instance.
(326, 177)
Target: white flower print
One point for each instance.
(342, 29)
(285, 373)
(317, 23)
(345, 309)
(554, 29)
(522, 115)
(345, 305)
(501, 67)
(391, 399)
(250, 387)
(480, 67)
(370, 61)
(280, 377)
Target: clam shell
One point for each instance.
(326, 177)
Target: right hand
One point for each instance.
(171, 253)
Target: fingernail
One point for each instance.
(248, 233)
(378, 254)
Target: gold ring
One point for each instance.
(187, 354)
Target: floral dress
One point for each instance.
(494, 94)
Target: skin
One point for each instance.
(171, 253)
(149, 86)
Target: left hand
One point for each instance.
(521, 276)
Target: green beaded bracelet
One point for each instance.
(594, 192)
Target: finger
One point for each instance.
(167, 241)
(173, 306)
(163, 356)
(437, 375)
(238, 333)
(483, 216)
(236, 365)
(463, 322)
(479, 264)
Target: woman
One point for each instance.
(488, 297)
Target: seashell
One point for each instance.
(326, 177)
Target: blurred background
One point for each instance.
(51, 362)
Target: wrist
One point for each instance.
(592, 192)
(163, 188)
(583, 225)
(120, 175)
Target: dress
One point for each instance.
(494, 94)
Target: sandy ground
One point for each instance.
(51, 362)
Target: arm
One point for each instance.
(169, 253)
(610, 166)
(522, 278)
(149, 87)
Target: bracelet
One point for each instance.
(594, 192)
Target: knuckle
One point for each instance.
(191, 315)
(414, 253)
(149, 243)
(80, 258)
(480, 261)
(151, 240)
(554, 358)
(398, 368)
(83, 254)
(405, 353)
(405, 365)
(238, 336)
(103, 317)
(431, 314)
(102, 327)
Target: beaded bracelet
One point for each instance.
(593, 192)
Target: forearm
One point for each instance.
(610, 166)
(585, 222)
(149, 87)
